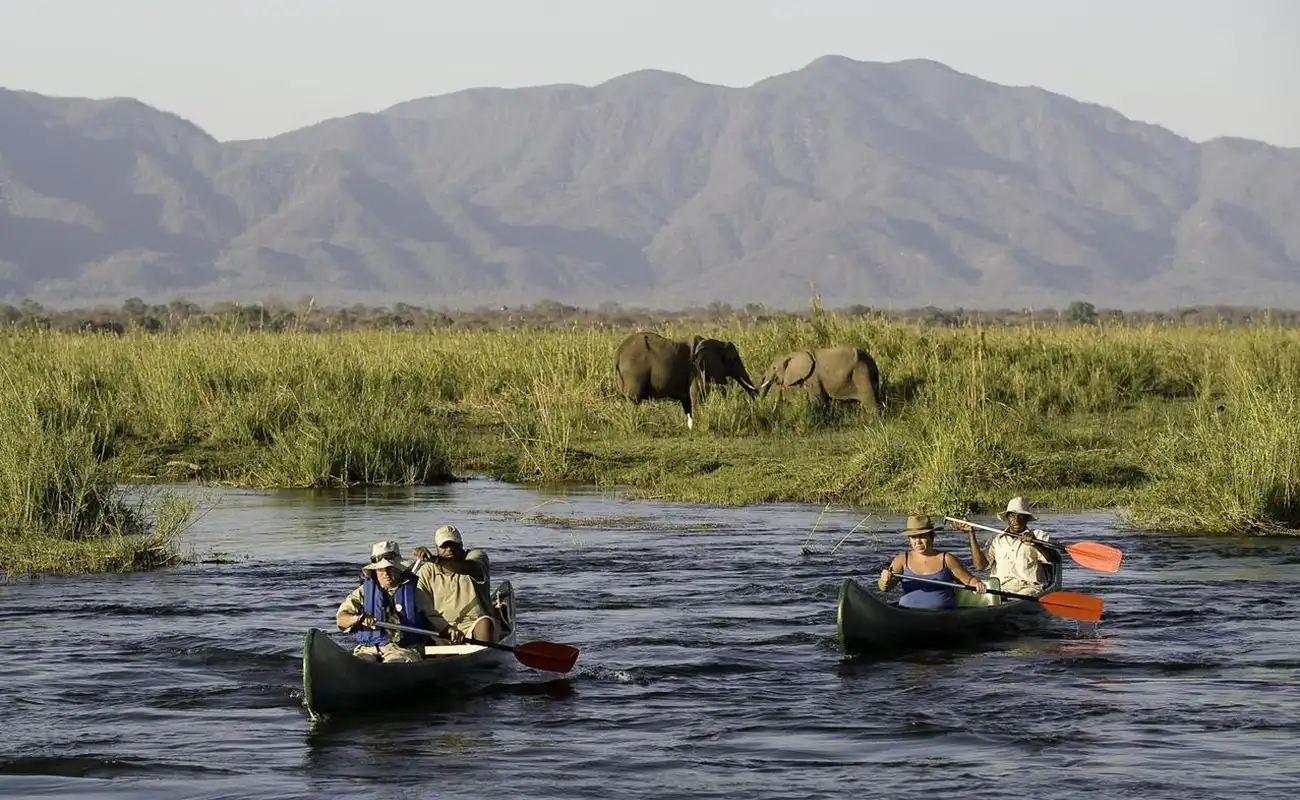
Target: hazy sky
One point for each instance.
(253, 68)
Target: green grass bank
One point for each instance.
(1179, 427)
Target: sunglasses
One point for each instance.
(384, 557)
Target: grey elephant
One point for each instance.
(649, 366)
(827, 373)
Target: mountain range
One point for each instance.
(883, 184)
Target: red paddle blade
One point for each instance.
(1072, 605)
(1095, 555)
(547, 656)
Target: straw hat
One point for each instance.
(1016, 505)
(917, 524)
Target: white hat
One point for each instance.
(1017, 505)
(385, 554)
(447, 533)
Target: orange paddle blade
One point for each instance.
(547, 656)
(1072, 605)
(1096, 556)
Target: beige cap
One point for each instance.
(447, 533)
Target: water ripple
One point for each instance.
(709, 665)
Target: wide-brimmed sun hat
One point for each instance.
(918, 524)
(385, 554)
(1017, 505)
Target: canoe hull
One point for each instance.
(866, 622)
(336, 682)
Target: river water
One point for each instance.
(709, 665)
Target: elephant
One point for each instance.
(836, 373)
(103, 326)
(650, 366)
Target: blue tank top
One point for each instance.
(926, 595)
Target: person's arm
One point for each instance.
(433, 621)
(466, 566)
(1046, 554)
(461, 566)
(349, 614)
(959, 572)
(978, 558)
(1035, 539)
(889, 575)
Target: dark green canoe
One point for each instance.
(867, 622)
(335, 682)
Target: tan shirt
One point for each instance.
(460, 599)
(355, 602)
(1017, 565)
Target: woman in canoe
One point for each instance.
(921, 560)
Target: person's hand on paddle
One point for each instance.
(887, 579)
(980, 586)
(363, 621)
(453, 635)
(962, 527)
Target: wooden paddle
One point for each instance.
(544, 656)
(1091, 555)
(1071, 605)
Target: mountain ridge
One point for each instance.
(900, 183)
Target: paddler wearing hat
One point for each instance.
(1016, 555)
(921, 560)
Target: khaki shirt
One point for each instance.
(460, 599)
(1018, 566)
(424, 611)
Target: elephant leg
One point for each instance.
(866, 394)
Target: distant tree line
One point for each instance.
(275, 315)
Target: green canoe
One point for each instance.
(867, 622)
(336, 682)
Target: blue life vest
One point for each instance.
(373, 601)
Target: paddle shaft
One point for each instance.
(1052, 545)
(468, 640)
(997, 592)
(1090, 555)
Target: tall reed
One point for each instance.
(61, 507)
(1123, 416)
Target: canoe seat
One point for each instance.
(968, 599)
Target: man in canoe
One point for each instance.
(389, 592)
(458, 583)
(921, 560)
(1016, 555)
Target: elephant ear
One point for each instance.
(798, 366)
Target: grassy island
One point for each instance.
(1181, 427)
